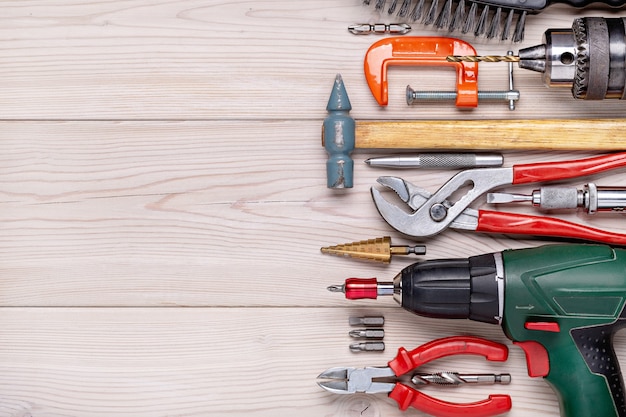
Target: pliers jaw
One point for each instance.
(396, 217)
(343, 380)
(415, 198)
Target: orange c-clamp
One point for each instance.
(421, 51)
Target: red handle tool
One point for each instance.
(552, 171)
(406, 361)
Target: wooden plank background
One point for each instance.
(163, 202)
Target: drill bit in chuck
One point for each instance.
(483, 58)
(379, 250)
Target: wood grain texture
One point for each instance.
(163, 202)
(534, 134)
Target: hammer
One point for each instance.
(341, 135)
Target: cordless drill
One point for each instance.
(562, 304)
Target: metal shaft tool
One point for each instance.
(437, 161)
(455, 378)
(592, 198)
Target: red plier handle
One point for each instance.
(525, 224)
(406, 361)
(552, 171)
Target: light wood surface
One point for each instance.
(163, 203)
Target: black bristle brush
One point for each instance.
(490, 18)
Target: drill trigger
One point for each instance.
(537, 360)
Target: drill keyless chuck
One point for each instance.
(590, 58)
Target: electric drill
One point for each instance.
(562, 304)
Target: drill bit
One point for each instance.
(455, 378)
(379, 250)
(483, 58)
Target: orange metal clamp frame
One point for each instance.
(421, 51)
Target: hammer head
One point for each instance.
(338, 137)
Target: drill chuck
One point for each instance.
(589, 58)
(445, 288)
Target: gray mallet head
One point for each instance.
(338, 137)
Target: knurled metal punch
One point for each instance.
(433, 213)
(388, 379)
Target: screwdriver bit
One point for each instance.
(378, 250)
(367, 333)
(367, 321)
(367, 347)
(380, 28)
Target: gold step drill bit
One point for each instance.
(378, 250)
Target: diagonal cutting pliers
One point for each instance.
(373, 380)
(433, 213)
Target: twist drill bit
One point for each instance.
(483, 58)
(378, 250)
(455, 378)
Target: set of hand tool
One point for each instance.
(562, 303)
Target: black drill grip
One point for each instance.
(452, 288)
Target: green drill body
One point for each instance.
(582, 289)
(562, 304)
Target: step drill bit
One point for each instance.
(378, 250)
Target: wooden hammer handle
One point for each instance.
(551, 134)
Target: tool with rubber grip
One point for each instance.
(562, 304)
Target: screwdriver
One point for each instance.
(591, 197)
(378, 250)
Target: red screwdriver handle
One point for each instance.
(524, 224)
(406, 361)
(551, 171)
(408, 397)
